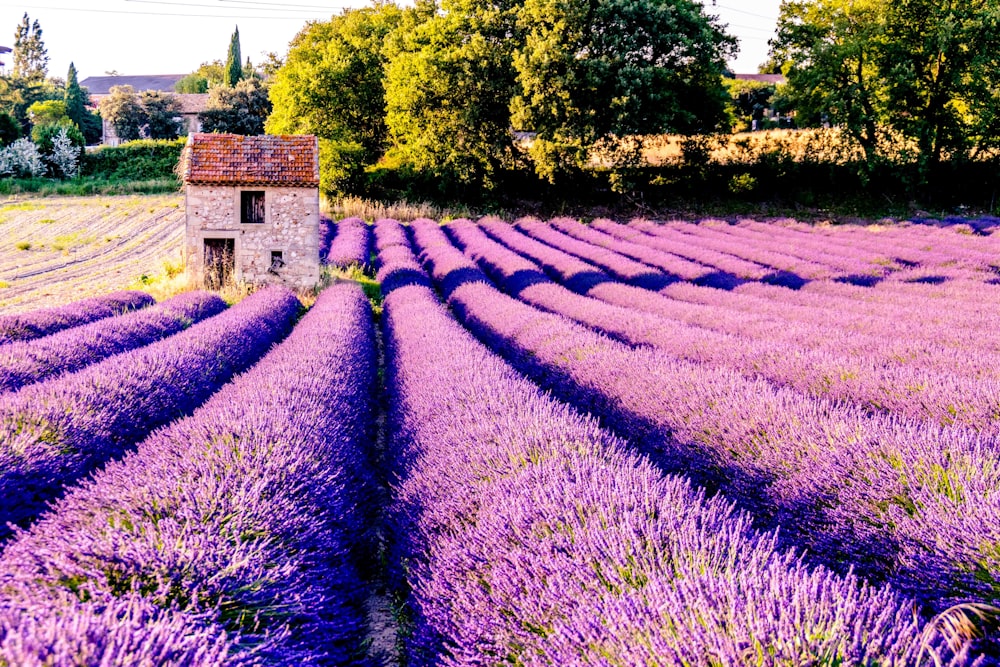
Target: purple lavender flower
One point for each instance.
(42, 322)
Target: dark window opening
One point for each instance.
(252, 207)
(276, 262)
(220, 262)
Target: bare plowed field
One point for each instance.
(56, 250)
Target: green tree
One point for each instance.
(31, 58)
(49, 112)
(331, 85)
(10, 129)
(234, 61)
(941, 62)
(831, 53)
(162, 112)
(749, 100)
(45, 135)
(192, 83)
(596, 71)
(448, 87)
(123, 110)
(77, 100)
(242, 109)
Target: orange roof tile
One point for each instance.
(232, 159)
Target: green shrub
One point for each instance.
(134, 161)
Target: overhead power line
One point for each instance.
(178, 14)
(199, 4)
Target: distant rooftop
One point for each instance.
(232, 159)
(101, 85)
(763, 78)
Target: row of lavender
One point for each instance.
(898, 500)
(941, 381)
(56, 431)
(230, 537)
(533, 536)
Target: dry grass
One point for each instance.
(816, 145)
(366, 209)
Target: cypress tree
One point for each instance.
(234, 62)
(76, 100)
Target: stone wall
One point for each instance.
(291, 227)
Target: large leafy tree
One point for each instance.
(942, 68)
(448, 86)
(597, 71)
(831, 53)
(924, 71)
(331, 85)
(31, 59)
(242, 109)
(123, 110)
(162, 112)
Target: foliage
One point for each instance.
(31, 58)
(448, 86)
(913, 75)
(192, 83)
(122, 109)
(10, 130)
(162, 115)
(136, 160)
(941, 65)
(749, 100)
(17, 94)
(331, 85)
(207, 75)
(45, 135)
(22, 158)
(64, 157)
(234, 61)
(830, 53)
(589, 72)
(49, 112)
(242, 109)
(77, 100)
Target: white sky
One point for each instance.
(136, 37)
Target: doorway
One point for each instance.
(220, 262)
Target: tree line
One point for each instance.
(474, 94)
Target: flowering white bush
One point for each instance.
(21, 158)
(65, 157)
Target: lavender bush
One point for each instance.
(45, 321)
(876, 494)
(32, 361)
(532, 536)
(225, 538)
(54, 432)
(351, 245)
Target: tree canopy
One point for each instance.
(331, 85)
(916, 76)
(31, 58)
(242, 109)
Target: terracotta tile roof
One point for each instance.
(232, 159)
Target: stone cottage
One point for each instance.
(252, 207)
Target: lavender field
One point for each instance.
(542, 443)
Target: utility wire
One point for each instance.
(281, 4)
(182, 15)
(193, 4)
